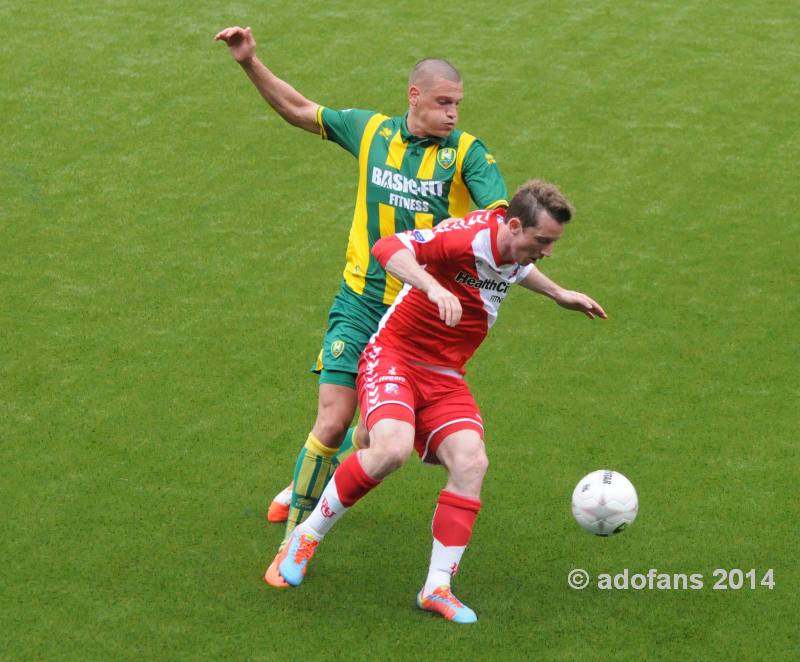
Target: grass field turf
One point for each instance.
(168, 252)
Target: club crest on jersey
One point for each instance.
(337, 347)
(446, 157)
(391, 388)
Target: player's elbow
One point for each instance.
(290, 115)
(301, 116)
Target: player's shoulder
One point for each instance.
(472, 223)
(458, 138)
(486, 217)
(473, 151)
(463, 139)
(353, 115)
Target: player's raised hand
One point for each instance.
(240, 42)
(448, 303)
(582, 303)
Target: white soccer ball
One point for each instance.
(604, 502)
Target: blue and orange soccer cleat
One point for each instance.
(293, 560)
(279, 508)
(442, 601)
(273, 577)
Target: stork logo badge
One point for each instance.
(453, 569)
(446, 157)
(326, 509)
(337, 347)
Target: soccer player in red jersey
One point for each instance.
(411, 387)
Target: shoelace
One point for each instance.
(445, 593)
(305, 549)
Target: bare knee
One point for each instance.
(330, 428)
(464, 455)
(391, 456)
(472, 463)
(479, 462)
(391, 443)
(361, 435)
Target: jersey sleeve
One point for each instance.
(344, 127)
(483, 179)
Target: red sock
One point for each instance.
(454, 518)
(352, 482)
(452, 528)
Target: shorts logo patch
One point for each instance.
(446, 157)
(337, 347)
(391, 388)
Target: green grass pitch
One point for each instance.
(168, 252)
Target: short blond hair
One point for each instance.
(427, 70)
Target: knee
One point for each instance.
(331, 425)
(361, 435)
(473, 463)
(479, 462)
(390, 447)
(391, 456)
(482, 462)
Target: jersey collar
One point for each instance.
(416, 140)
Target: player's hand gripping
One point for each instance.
(448, 303)
(240, 42)
(580, 302)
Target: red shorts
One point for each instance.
(436, 404)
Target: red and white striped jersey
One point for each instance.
(463, 257)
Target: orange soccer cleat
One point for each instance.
(279, 508)
(273, 577)
(442, 601)
(293, 560)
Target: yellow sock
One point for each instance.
(310, 476)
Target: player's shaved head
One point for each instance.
(426, 71)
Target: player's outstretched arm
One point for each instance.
(284, 99)
(538, 282)
(404, 266)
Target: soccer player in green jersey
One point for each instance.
(414, 171)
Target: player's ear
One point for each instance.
(514, 224)
(413, 95)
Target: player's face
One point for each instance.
(434, 107)
(531, 244)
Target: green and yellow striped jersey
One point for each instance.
(405, 182)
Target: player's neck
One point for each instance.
(415, 128)
(503, 242)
